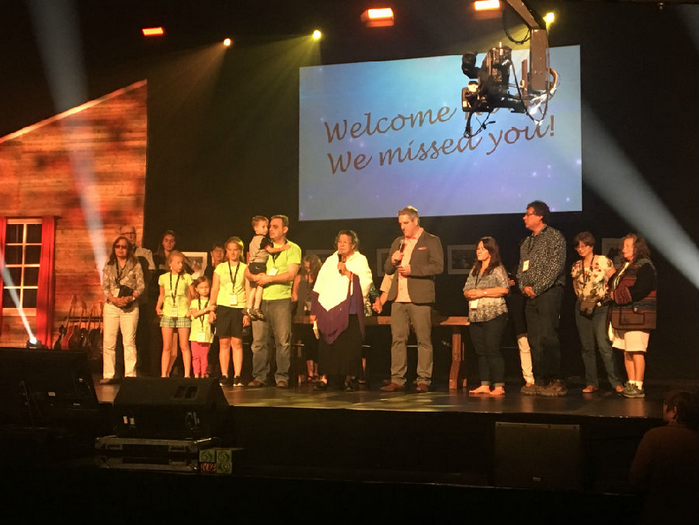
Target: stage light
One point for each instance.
(227, 42)
(486, 5)
(153, 31)
(33, 342)
(317, 34)
(379, 17)
(549, 18)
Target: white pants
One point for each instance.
(116, 319)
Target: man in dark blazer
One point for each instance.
(416, 257)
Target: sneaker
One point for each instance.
(555, 388)
(530, 389)
(258, 314)
(632, 391)
(237, 381)
(252, 313)
(225, 381)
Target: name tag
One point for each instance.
(525, 265)
(201, 337)
(173, 312)
(233, 300)
(273, 271)
(473, 304)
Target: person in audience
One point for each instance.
(301, 293)
(228, 295)
(122, 285)
(173, 309)
(485, 289)
(632, 310)
(590, 275)
(338, 311)
(666, 466)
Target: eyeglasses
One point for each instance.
(122, 246)
(529, 213)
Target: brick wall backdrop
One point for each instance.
(40, 174)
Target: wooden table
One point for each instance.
(457, 377)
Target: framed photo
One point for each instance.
(381, 256)
(198, 262)
(322, 254)
(611, 250)
(460, 258)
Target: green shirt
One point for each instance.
(281, 262)
(177, 288)
(226, 272)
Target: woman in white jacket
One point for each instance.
(338, 310)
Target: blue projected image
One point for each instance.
(376, 136)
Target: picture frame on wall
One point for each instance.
(381, 256)
(460, 258)
(198, 261)
(611, 250)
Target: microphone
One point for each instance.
(402, 246)
(342, 259)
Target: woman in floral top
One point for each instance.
(590, 275)
(485, 290)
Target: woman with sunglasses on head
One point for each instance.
(122, 284)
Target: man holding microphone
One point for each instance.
(416, 257)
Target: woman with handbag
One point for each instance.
(590, 276)
(632, 313)
(122, 283)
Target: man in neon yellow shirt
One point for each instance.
(276, 306)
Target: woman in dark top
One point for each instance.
(632, 310)
(301, 296)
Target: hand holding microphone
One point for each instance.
(397, 256)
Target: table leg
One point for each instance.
(457, 358)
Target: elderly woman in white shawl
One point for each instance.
(337, 308)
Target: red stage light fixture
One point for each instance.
(153, 31)
(378, 17)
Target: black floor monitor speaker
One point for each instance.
(539, 456)
(46, 388)
(170, 408)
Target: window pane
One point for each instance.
(29, 300)
(13, 254)
(32, 255)
(16, 276)
(14, 233)
(34, 233)
(7, 301)
(31, 276)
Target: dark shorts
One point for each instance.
(229, 322)
(257, 267)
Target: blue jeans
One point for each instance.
(594, 330)
(486, 338)
(278, 320)
(543, 313)
(420, 316)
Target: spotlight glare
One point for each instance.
(317, 34)
(227, 42)
(486, 5)
(549, 18)
(153, 31)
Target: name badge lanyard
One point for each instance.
(201, 317)
(275, 255)
(173, 291)
(234, 278)
(119, 271)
